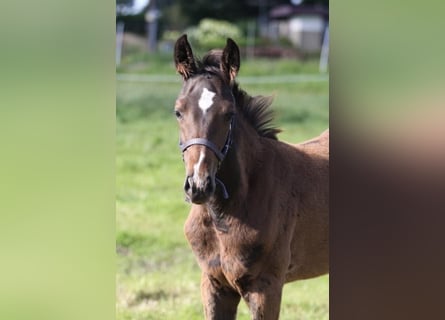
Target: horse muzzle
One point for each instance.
(198, 190)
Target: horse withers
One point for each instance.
(259, 212)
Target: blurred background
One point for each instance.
(263, 28)
(284, 49)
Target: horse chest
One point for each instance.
(226, 265)
(225, 257)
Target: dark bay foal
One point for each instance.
(259, 213)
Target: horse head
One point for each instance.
(206, 111)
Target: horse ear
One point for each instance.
(184, 60)
(230, 61)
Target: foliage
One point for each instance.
(212, 33)
(171, 35)
(232, 10)
(317, 2)
(124, 2)
(173, 18)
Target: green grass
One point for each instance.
(157, 277)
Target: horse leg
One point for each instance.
(220, 303)
(263, 296)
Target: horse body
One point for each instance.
(273, 213)
(273, 227)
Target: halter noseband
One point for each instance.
(220, 154)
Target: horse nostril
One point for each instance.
(188, 183)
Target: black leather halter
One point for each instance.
(220, 154)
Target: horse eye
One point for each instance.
(178, 114)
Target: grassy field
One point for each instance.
(157, 277)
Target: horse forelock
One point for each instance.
(255, 110)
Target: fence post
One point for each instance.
(324, 55)
(119, 41)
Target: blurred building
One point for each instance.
(302, 25)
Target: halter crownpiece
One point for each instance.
(220, 154)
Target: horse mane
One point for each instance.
(256, 110)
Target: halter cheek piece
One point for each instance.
(220, 154)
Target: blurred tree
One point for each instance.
(179, 14)
(211, 33)
(322, 2)
(231, 10)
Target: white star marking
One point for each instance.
(206, 100)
